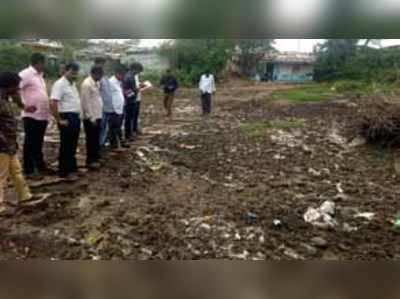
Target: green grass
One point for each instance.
(306, 93)
(258, 129)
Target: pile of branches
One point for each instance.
(380, 121)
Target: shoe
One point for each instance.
(34, 200)
(7, 212)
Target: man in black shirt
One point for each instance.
(169, 84)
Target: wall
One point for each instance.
(293, 72)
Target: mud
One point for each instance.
(186, 188)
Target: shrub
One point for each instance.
(14, 58)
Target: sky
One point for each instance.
(302, 45)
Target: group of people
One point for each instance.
(104, 106)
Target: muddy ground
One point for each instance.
(216, 188)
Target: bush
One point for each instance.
(379, 122)
(190, 58)
(14, 58)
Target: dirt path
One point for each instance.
(195, 188)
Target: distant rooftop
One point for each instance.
(290, 57)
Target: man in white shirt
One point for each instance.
(92, 112)
(118, 102)
(66, 109)
(207, 89)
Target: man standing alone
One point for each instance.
(207, 89)
(66, 108)
(92, 111)
(36, 115)
(169, 85)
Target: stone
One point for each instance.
(319, 242)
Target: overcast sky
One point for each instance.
(303, 45)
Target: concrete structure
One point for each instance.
(279, 66)
(287, 67)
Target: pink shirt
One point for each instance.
(34, 93)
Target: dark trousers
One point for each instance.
(92, 132)
(136, 116)
(69, 138)
(33, 145)
(129, 115)
(115, 125)
(206, 105)
(168, 102)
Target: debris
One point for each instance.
(291, 253)
(250, 218)
(358, 141)
(337, 139)
(339, 188)
(348, 228)
(187, 146)
(396, 223)
(321, 217)
(277, 223)
(368, 216)
(314, 172)
(319, 242)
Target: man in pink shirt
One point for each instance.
(36, 114)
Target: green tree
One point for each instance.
(250, 52)
(192, 57)
(333, 56)
(13, 58)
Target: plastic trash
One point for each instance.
(323, 216)
(250, 218)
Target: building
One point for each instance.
(280, 66)
(287, 67)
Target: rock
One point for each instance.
(314, 172)
(348, 228)
(330, 256)
(319, 242)
(358, 141)
(310, 249)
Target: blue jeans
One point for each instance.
(104, 128)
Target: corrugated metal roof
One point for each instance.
(290, 57)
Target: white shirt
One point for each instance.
(139, 95)
(67, 96)
(92, 103)
(118, 99)
(207, 84)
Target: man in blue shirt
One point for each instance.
(106, 95)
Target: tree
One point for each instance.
(250, 52)
(14, 58)
(192, 57)
(332, 57)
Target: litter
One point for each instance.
(323, 216)
(187, 146)
(368, 216)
